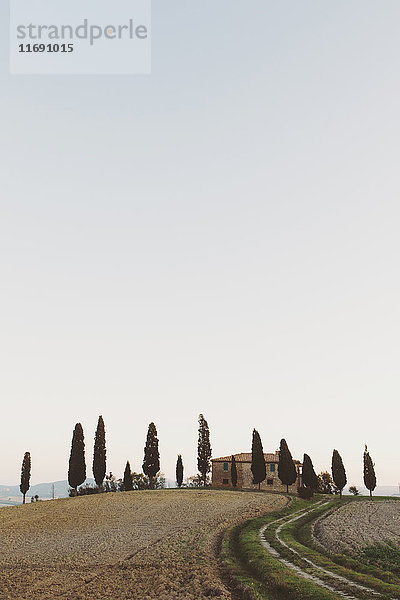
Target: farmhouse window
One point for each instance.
(270, 482)
(226, 467)
(225, 481)
(272, 467)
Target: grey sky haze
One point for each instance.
(221, 236)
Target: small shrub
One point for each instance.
(305, 493)
(85, 490)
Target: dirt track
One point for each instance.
(359, 524)
(133, 545)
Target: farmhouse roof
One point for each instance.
(245, 457)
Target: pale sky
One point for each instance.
(221, 236)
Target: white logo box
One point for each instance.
(107, 37)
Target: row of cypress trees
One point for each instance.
(151, 461)
(203, 455)
(287, 471)
(339, 476)
(77, 463)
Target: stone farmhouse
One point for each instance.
(221, 473)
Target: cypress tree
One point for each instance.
(258, 467)
(233, 472)
(179, 471)
(151, 461)
(203, 450)
(369, 472)
(25, 475)
(128, 481)
(338, 472)
(77, 466)
(309, 476)
(99, 454)
(286, 468)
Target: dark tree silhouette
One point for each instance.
(25, 475)
(128, 480)
(234, 472)
(258, 467)
(179, 471)
(151, 461)
(286, 468)
(99, 454)
(338, 472)
(203, 450)
(77, 466)
(369, 472)
(309, 476)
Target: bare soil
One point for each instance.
(358, 525)
(150, 545)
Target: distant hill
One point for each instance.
(9, 493)
(43, 490)
(381, 490)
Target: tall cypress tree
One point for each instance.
(77, 466)
(286, 468)
(234, 472)
(309, 476)
(203, 450)
(151, 461)
(258, 467)
(338, 472)
(179, 471)
(369, 472)
(99, 454)
(25, 475)
(128, 480)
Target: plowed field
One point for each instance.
(152, 545)
(360, 524)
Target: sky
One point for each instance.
(219, 237)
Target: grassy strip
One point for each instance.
(298, 533)
(386, 556)
(258, 571)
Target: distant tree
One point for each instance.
(179, 471)
(353, 490)
(369, 472)
(203, 450)
(258, 467)
(325, 483)
(151, 461)
(128, 481)
(196, 481)
(286, 468)
(112, 484)
(25, 475)
(234, 477)
(142, 482)
(99, 454)
(309, 476)
(338, 472)
(77, 466)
